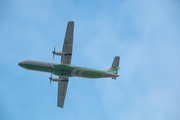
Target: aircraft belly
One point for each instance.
(87, 73)
(92, 74)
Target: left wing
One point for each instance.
(62, 88)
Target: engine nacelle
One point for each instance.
(59, 53)
(56, 79)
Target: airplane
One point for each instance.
(65, 69)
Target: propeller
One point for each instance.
(53, 52)
(50, 79)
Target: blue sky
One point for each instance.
(145, 34)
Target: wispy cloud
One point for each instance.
(144, 33)
(149, 79)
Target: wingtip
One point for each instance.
(71, 21)
(60, 106)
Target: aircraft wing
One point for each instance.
(68, 43)
(65, 59)
(62, 88)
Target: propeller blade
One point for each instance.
(50, 79)
(53, 52)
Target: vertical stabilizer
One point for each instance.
(115, 65)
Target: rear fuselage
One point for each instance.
(64, 70)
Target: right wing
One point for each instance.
(68, 44)
(62, 88)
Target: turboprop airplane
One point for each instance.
(65, 69)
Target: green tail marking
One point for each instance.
(112, 70)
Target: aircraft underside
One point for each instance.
(64, 69)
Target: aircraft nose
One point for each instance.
(20, 64)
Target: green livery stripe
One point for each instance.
(112, 69)
(78, 71)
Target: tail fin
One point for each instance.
(116, 62)
(115, 67)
